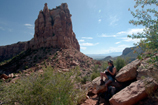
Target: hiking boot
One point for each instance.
(102, 82)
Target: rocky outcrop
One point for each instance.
(136, 81)
(7, 52)
(128, 72)
(53, 28)
(129, 51)
(145, 69)
(134, 92)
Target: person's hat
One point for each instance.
(110, 61)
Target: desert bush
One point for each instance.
(96, 72)
(84, 80)
(49, 88)
(26, 67)
(94, 75)
(104, 65)
(119, 63)
(95, 69)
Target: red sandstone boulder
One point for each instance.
(128, 72)
(133, 93)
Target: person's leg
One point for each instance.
(102, 74)
(107, 83)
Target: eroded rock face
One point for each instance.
(134, 92)
(128, 72)
(53, 28)
(9, 51)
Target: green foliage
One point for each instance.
(96, 72)
(96, 68)
(104, 66)
(14, 57)
(149, 19)
(50, 88)
(55, 56)
(94, 75)
(49, 58)
(26, 67)
(84, 80)
(147, 16)
(119, 63)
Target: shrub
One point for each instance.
(84, 80)
(49, 58)
(94, 75)
(96, 68)
(49, 88)
(26, 67)
(120, 62)
(104, 66)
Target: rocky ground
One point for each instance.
(139, 91)
(62, 60)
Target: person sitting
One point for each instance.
(109, 74)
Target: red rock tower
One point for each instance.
(53, 28)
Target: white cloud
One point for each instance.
(81, 40)
(99, 11)
(83, 48)
(29, 25)
(117, 42)
(135, 31)
(131, 31)
(99, 20)
(104, 35)
(119, 48)
(126, 39)
(1, 28)
(113, 20)
(89, 44)
(124, 33)
(87, 37)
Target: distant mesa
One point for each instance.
(107, 58)
(127, 54)
(53, 28)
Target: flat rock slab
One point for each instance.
(133, 93)
(128, 72)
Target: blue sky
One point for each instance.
(101, 26)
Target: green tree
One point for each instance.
(147, 16)
(119, 63)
